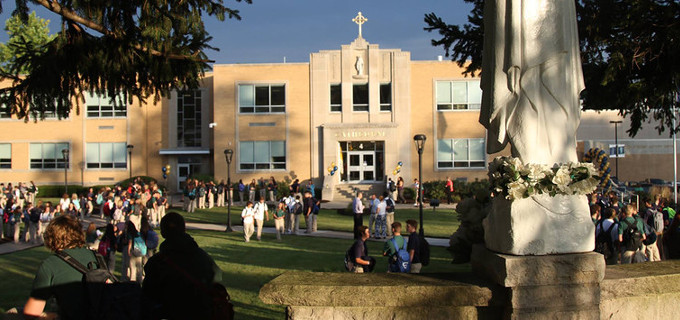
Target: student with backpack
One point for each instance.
(606, 236)
(389, 216)
(654, 224)
(136, 249)
(414, 246)
(398, 258)
(57, 277)
(357, 259)
(631, 235)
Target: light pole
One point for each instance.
(64, 153)
(129, 147)
(228, 154)
(419, 140)
(616, 145)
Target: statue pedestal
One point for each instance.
(565, 286)
(540, 225)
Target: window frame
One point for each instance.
(271, 164)
(103, 107)
(260, 108)
(180, 114)
(105, 165)
(387, 104)
(451, 105)
(335, 107)
(354, 95)
(49, 164)
(453, 163)
(6, 163)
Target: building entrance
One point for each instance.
(362, 161)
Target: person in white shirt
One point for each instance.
(290, 212)
(373, 204)
(261, 211)
(64, 202)
(248, 215)
(380, 220)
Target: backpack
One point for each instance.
(106, 210)
(117, 215)
(632, 237)
(315, 207)
(106, 297)
(658, 221)
(402, 257)
(349, 263)
(424, 251)
(34, 216)
(100, 199)
(390, 205)
(138, 246)
(603, 242)
(393, 187)
(104, 247)
(151, 240)
(297, 208)
(149, 203)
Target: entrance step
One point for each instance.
(347, 192)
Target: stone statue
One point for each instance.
(359, 65)
(531, 79)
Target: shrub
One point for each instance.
(410, 193)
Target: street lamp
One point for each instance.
(419, 140)
(64, 153)
(616, 145)
(129, 148)
(229, 154)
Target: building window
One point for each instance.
(106, 155)
(189, 123)
(461, 153)
(262, 98)
(360, 97)
(262, 155)
(4, 110)
(102, 106)
(5, 156)
(47, 155)
(621, 151)
(459, 95)
(336, 98)
(386, 97)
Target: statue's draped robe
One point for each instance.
(539, 113)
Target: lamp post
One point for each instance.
(419, 140)
(228, 154)
(64, 153)
(129, 148)
(616, 145)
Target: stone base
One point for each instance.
(545, 287)
(402, 313)
(540, 225)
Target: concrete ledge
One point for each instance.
(514, 271)
(381, 290)
(409, 313)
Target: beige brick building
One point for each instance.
(357, 108)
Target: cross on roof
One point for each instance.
(359, 19)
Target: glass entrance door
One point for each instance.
(361, 166)
(183, 172)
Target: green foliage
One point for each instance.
(462, 189)
(58, 191)
(629, 50)
(132, 48)
(32, 33)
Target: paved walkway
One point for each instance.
(9, 247)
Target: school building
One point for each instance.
(356, 107)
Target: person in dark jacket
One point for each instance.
(177, 276)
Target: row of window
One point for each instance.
(105, 155)
(96, 106)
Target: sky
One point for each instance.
(271, 30)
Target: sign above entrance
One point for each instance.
(360, 134)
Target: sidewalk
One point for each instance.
(10, 247)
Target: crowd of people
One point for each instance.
(626, 233)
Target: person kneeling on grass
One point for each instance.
(179, 280)
(55, 278)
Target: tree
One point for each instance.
(131, 48)
(33, 31)
(629, 50)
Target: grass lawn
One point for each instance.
(440, 224)
(246, 266)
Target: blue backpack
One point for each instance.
(151, 240)
(403, 259)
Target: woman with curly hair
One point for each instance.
(55, 278)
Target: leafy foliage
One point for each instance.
(33, 32)
(133, 48)
(629, 50)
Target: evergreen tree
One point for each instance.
(133, 48)
(629, 50)
(33, 32)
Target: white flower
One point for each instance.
(517, 163)
(536, 172)
(562, 179)
(517, 189)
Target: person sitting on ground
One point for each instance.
(55, 278)
(171, 287)
(390, 251)
(359, 252)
